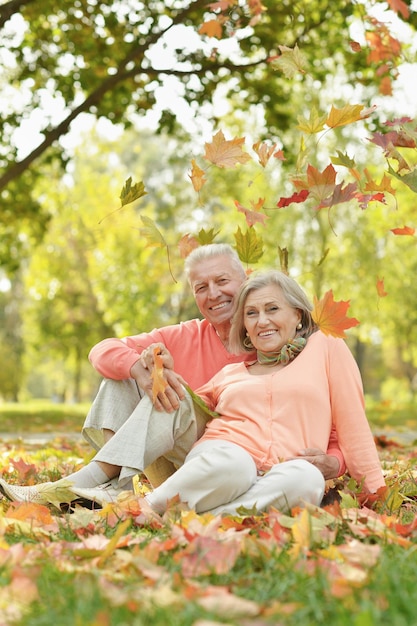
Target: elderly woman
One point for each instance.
(301, 383)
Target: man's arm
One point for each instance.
(331, 463)
(132, 357)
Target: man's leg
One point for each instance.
(285, 486)
(112, 406)
(214, 473)
(149, 434)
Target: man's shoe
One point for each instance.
(100, 495)
(16, 493)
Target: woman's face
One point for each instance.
(269, 320)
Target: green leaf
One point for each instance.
(153, 236)
(409, 179)
(248, 245)
(343, 159)
(291, 61)
(131, 193)
(200, 402)
(205, 237)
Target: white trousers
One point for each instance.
(220, 477)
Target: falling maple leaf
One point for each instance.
(264, 151)
(340, 194)
(319, 184)
(291, 61)
(330, 316)
(249, 245)
(159, 383)
(187, 244)
(296, 197)
(405, 230)
(211, 28)
(380, 288)
(197, 176)
(314, 124)
(254, 215)
(130, 192)
(226, 153)
(347, 115)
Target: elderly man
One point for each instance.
(119, 424)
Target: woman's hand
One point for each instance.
(169, 399)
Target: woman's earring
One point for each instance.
(247, 343)
(299, 326)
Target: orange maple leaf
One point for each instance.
(380, 288)
(197, 176)
(405, 230)
(384, 185)
(264, 151)
(211, 28)
(226, 153)
(253, 216)
(330, 316)
(186, 244)
(320, 184)
(159, 382)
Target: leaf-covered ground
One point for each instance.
(350, 562)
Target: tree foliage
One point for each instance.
(112, 60)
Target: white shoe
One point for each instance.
(101, 495)
(16, 493)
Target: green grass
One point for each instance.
(44, 416)
(41, 416)
(135, 587)
(298, 595)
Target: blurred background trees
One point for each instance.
(93, 93)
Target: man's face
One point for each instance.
(215, 283)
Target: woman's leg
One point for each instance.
(214, 473)
(285, 486)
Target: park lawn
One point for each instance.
(343, 564)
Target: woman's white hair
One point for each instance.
(293, 294)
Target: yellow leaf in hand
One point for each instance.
(159, 383)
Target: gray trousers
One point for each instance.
(145, 440)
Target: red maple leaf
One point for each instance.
(296, 197)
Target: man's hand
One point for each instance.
(327, 464)
(141, 371)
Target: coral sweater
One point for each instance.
(198, 355)
(273, 416)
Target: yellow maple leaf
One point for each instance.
(159, 382)
(347, 115)
(314, 124)
(226, 153)
(197, 176)
(330, 316)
